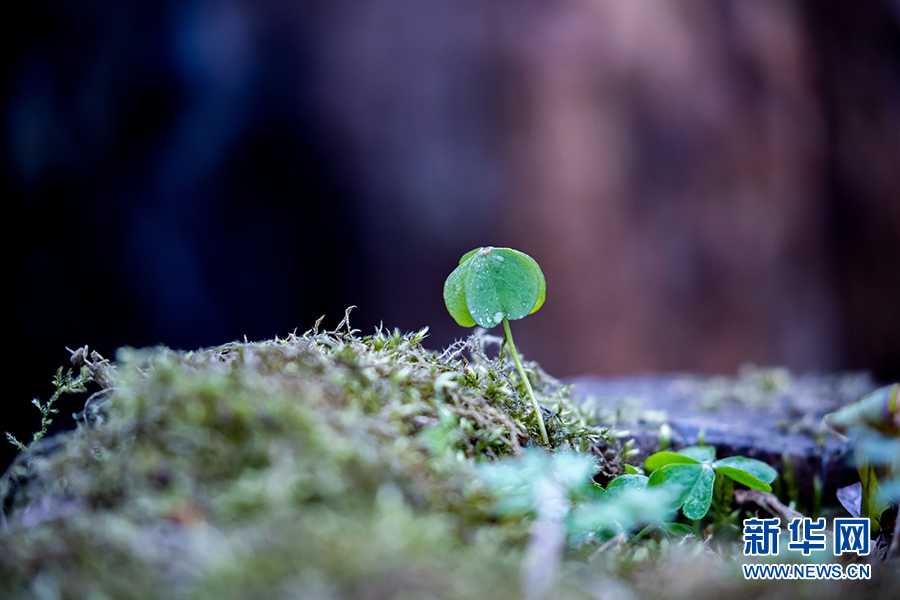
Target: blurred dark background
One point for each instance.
(705, 183)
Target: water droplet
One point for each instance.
(498, 316)
(498, 257)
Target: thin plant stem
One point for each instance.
(537, 409)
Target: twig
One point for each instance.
(766, 501)
(606, 546)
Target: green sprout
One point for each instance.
(65, 384)
(492, 286)
(692, 472)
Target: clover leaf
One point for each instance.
(691, 474)
(626, 482)
(493, 286)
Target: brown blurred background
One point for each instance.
(705, 183)
(710, 183)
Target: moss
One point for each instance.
(330, 457)
(322, 465)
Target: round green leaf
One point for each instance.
(744, 477)
(661, 459)
(628, 481)
(492, 283)
(704, 454)
(697, 504)
(455, 296)
(468, 255)
(756, 468)
(692, 485)
(499, 283)
(542, 285)
(656, 477)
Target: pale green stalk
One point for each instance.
(537, 409)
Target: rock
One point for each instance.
(769, 415)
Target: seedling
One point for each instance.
(65, 384)
(692, 471)
(493, 286)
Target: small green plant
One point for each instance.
(692, 472)
(65, 384)
(493, 286)
(873, 426)
(563, 507)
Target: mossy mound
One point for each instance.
(330, 466)
(326, 461)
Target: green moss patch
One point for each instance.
(332, 465)
(324, 461)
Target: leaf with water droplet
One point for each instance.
(455, 297)
(492, 283)
(468, 255)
